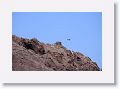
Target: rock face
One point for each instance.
(32, 55)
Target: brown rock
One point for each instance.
(32, 55)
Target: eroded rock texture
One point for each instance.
(32, 55)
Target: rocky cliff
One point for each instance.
(33, 55)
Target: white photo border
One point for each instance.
(104, 76)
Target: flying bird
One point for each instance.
(68, 39)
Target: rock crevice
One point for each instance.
(33, 55)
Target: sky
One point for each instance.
(84, 29)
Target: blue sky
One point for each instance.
(83, 28)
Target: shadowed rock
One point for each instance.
(32, 55)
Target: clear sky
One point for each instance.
(83, 28)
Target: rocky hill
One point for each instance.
(33, 55)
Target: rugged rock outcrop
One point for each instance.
(32, 55)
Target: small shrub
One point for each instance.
(34, 40)
(58, 43)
